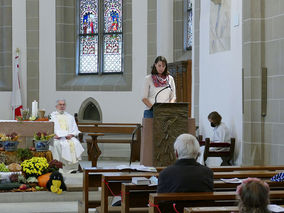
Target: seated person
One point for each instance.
(221, 133)
(254, 196)
(186, 175)
(65, 148)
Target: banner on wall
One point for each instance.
(16, 99)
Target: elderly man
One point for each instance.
(65, 148)
(186, 175)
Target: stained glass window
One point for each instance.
(189, 25)
(100, 36)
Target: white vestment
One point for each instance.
(66, 151)
(221, 133)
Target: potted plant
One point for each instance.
(9, 142)
(42, 140)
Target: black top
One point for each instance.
(186, 175)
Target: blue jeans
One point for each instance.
(148, 114)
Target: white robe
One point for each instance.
(66, 151)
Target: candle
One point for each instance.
(34, 108)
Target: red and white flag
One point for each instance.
(16, 101)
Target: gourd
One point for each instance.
(8, 186)
(42, 180)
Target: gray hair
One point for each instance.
(187, 146)
(61, 99)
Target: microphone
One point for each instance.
(169, 86)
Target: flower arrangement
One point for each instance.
(12, 137)
(43, 136)
(54, 165)
(35, 166)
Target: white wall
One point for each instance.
(18, 41)
(221, 76)
(165, 29)
(116, 106)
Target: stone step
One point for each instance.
(43, 207)
(45, 196)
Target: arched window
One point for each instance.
(100, 37)
(188, 24)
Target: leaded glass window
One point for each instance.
(189, 27)
(100, 36)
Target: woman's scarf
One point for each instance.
(160, 81)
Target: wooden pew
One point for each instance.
(219, 209)
(114, 181)
(130, 195)
(245, 168)
(112, 133)
(203, 197)
(213, 209)
(92, 179)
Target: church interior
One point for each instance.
(224, 55)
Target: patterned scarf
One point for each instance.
(160, 81)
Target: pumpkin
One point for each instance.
(42, 180)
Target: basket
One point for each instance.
(10, 146)
(41, 146)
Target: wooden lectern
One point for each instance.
(159, 133)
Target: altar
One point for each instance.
(26, 129)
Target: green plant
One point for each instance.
(24, 154)
(43, 136)
(22, 179)
(32, 180)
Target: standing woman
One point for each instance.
(159, 86)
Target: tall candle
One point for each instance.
(34, 108)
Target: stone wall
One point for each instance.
(263, 42)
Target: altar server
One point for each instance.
(65, 148)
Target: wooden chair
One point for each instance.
(226, 156)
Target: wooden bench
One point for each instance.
(112, 133)
(114, 181)
(213, 209)
(226, 156)
(203, 198)
(92, 178)
(131, 192)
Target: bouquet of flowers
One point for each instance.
(54, 165)
(12, 137)
(35, 166)
(43, 136)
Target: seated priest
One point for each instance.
(65, 148)
(185, 175)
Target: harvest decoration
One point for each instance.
(35, 166)
(43, 136)
(12, 137)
